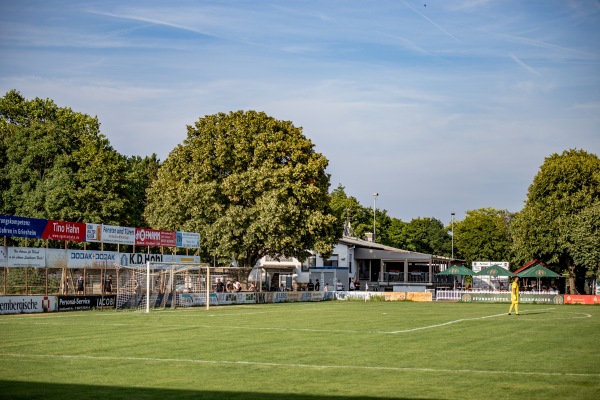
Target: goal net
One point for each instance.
(156, 285)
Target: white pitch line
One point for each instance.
(279, 329)
(279, 365)
(445, 323)
(453, 322)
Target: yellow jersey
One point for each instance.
(514, 292)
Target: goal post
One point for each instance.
(158, 285)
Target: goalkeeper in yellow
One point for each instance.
(514, 296)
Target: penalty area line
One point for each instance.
(280, 365)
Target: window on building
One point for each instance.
(308, 263)
(331, 261)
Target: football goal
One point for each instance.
(158, 285)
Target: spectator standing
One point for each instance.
(317, 285)
(220, 286)
(310, 286)
(80, 284)
(108, 285)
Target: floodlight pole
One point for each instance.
(452, 215)
(374, 208)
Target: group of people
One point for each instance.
(339, 286)
(313, 286)
(229, 286)
(106, 285)
(235, 286)
(353, 284)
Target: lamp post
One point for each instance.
(452, 215)
(374, 207)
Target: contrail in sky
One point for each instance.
(431, 21)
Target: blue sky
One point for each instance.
(442, 108)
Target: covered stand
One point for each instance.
(459, 270)
(538, 271)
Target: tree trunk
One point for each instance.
(572, 287)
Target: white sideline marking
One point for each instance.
(279, 365)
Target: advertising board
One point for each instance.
(22, 226)
(26, 257)
(27, 304)
(60, 230)
(479, 265)
(93, 232)
(581, 299)
(153, 237)
(118, 234)
(188, 240)
(78, 303)
(91, 259)
(476, 297)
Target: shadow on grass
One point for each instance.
(12, 390)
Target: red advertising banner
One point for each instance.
(61, 230)
(581, 299)
(147, 237)
(168, 239)
(152, 237)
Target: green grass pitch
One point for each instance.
(325, 350)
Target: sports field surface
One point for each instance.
(324, 350)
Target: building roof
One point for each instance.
(530, 264)
(365, 244)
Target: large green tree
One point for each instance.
(360, 218)
(584, 238)
(141, 172)
(427, 235)
(484, 235)
(347, 210)
(55, 164)
(561, 200)
(251, 185)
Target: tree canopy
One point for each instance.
(561, 202)
(250, 184)
(55, 164)
(483, 235)
(584, 238)
(427, 235)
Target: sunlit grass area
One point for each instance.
(325, 350)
